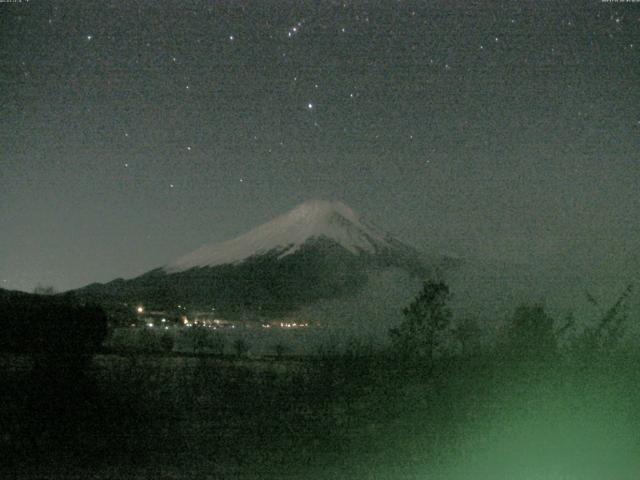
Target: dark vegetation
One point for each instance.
(544, 400)
(50, 325)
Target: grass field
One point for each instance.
(171, 416)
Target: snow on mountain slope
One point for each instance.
(287, 233)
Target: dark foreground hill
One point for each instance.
(49, 323)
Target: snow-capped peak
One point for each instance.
(287, 233)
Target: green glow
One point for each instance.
(552, 424)
(508, 420)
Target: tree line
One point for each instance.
(428, 329)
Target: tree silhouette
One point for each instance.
(426, 319)
(44, 290)
(279, 349)
(167, 342)
(467, 332)
(241, 347)
(530, 333)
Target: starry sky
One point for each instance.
(134, 132)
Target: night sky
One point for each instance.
(134, 132)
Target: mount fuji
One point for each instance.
(319, 251)
(287, 234)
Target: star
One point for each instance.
(232, 38)
(89, 38)
(189, 148)
(294, 30)
(310, 106)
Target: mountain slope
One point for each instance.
(319, 250)
(287, 233)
